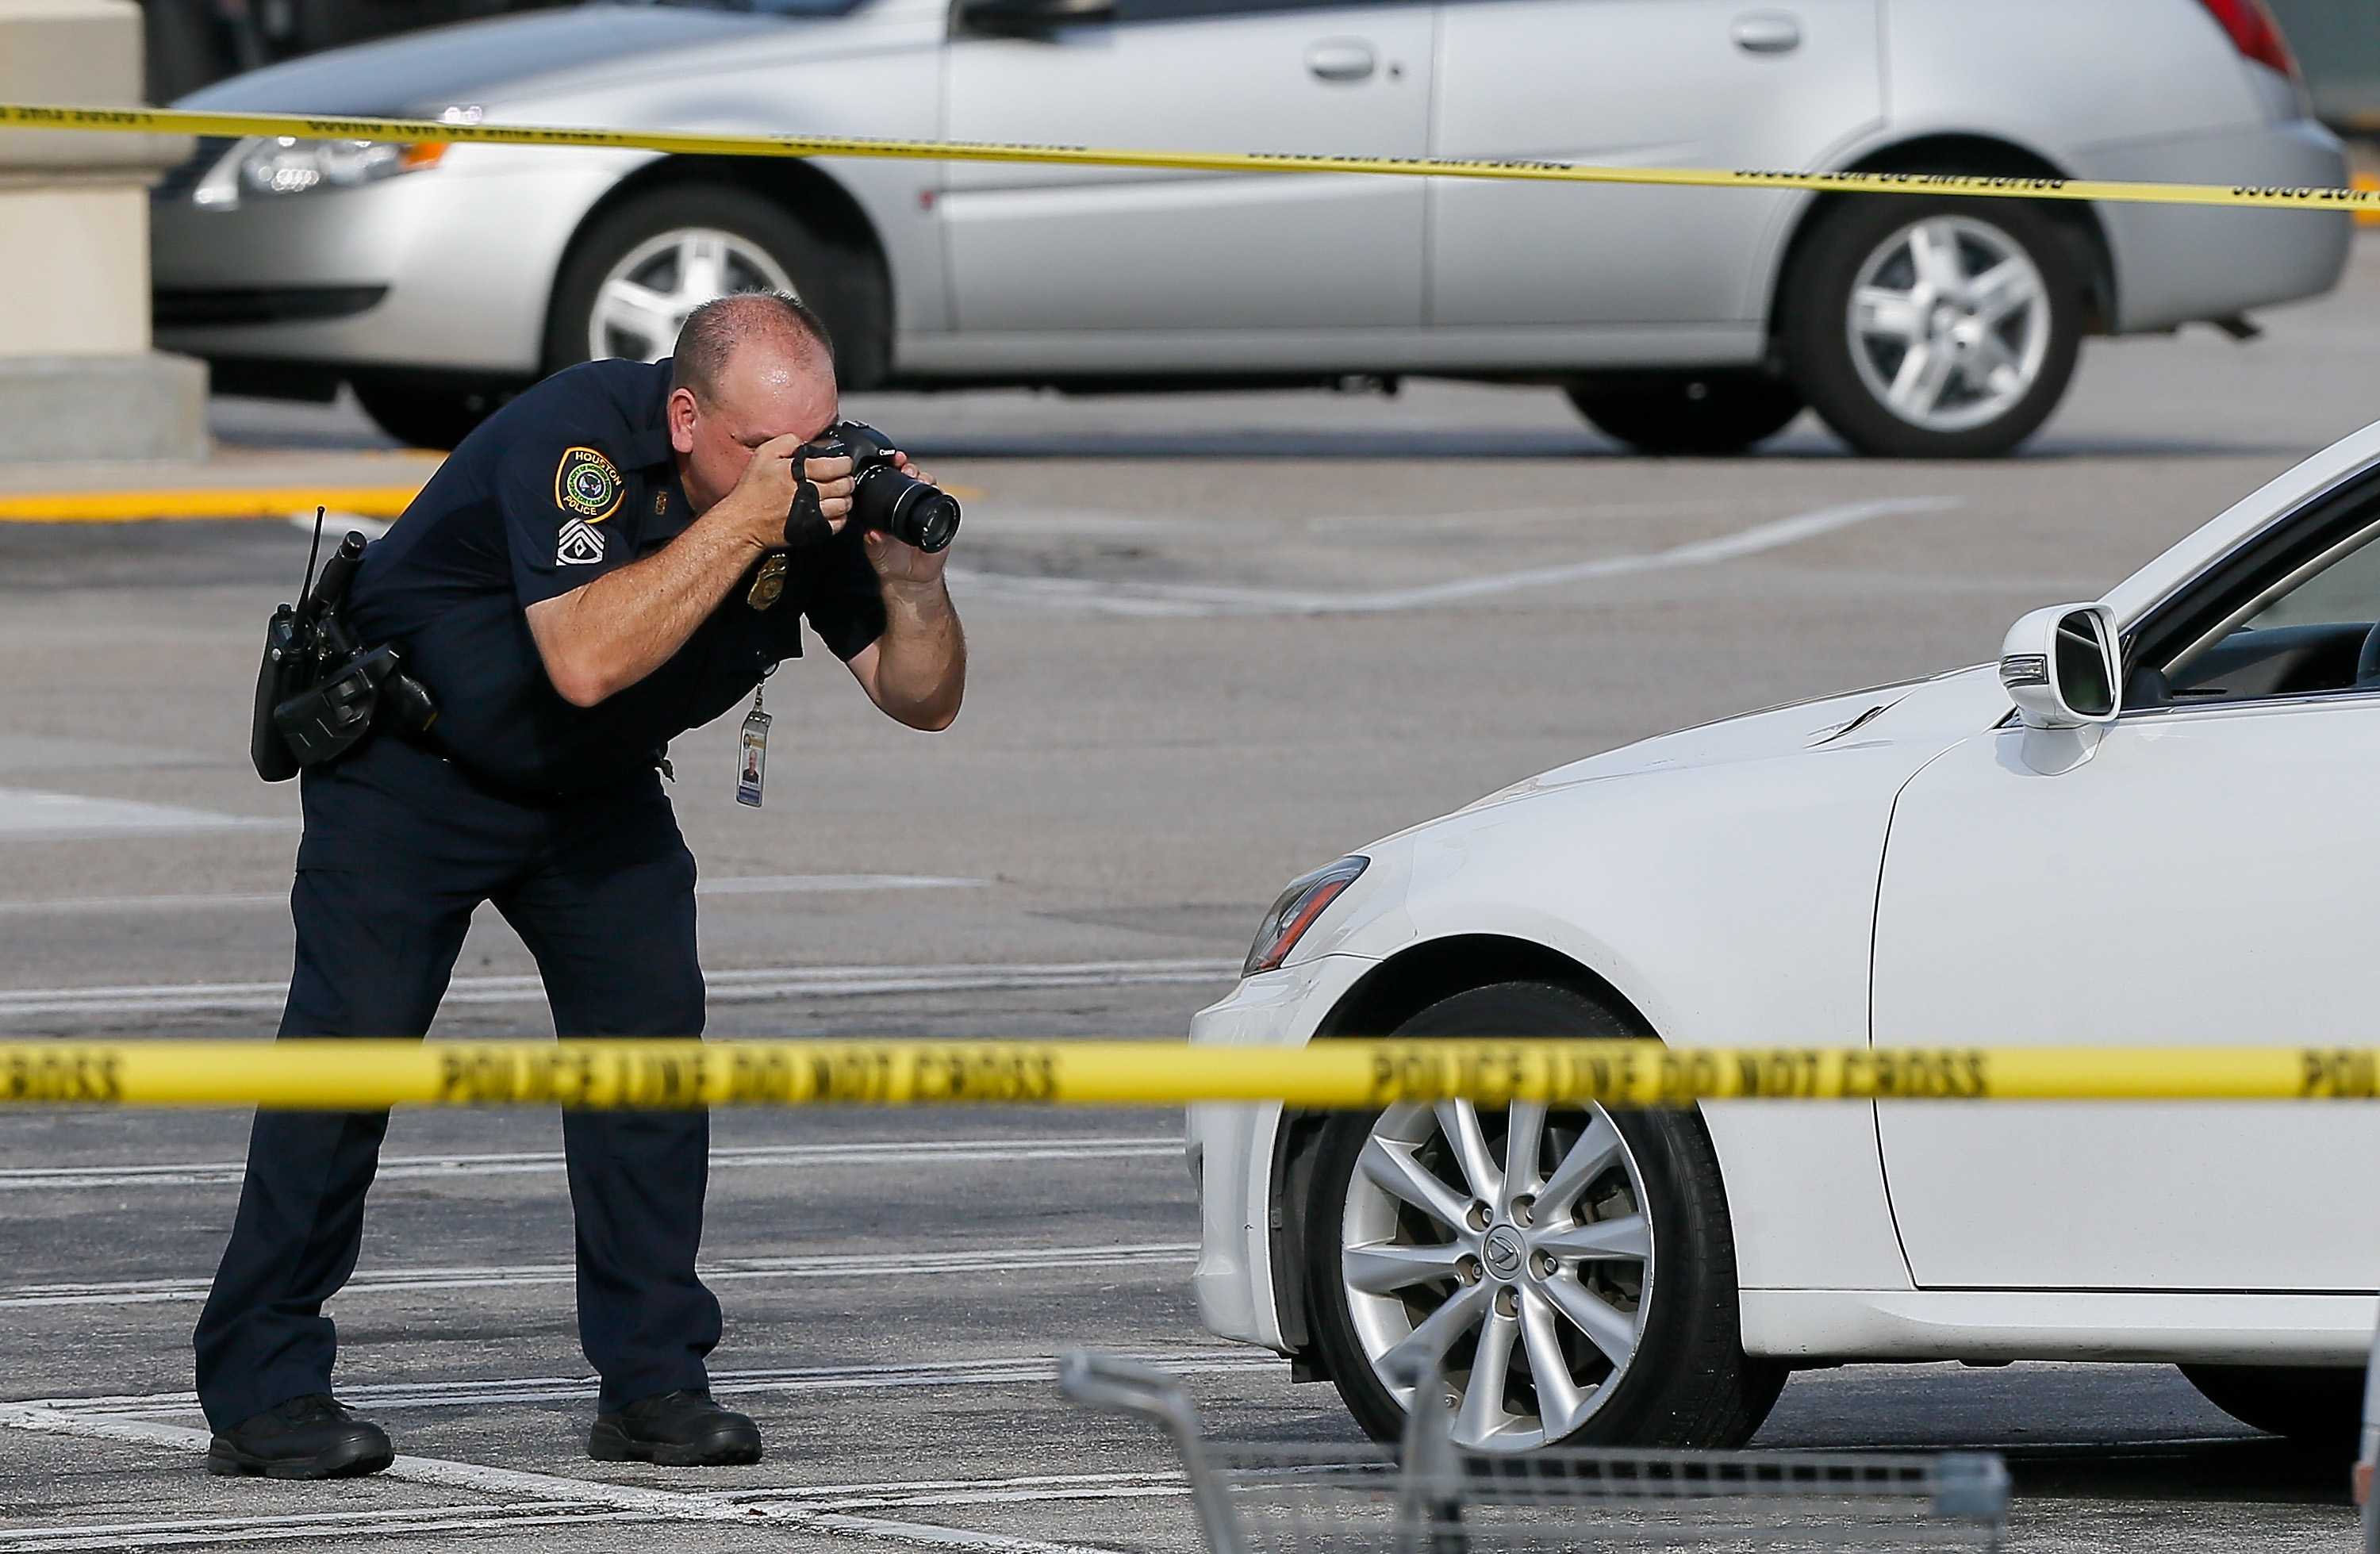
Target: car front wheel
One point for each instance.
(640, 268)
(1574, 1268)
(1922, 328)
(1691, 414)
(427, 413)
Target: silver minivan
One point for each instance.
(437, 279)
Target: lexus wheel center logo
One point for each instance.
(1502, 1252)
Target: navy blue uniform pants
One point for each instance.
(400, 848)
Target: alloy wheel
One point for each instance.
(1515, 1244)
(1949, 322)
(643, 301)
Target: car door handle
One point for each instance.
(1766, 32)
(1341, 60)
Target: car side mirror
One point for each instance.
(1030, 18)
(2059, 666)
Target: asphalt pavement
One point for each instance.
(1217, 641)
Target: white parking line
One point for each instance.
(65, 905)
(1032, 1491)
(1497, 517)
(515, 1487)
(922, 1152)
(1119, 598)
(725, 987)
(763, 884)
(28, 816)
(869, 1264)
(203, 1532)
(998, 521)
(812, 884)
(970, 1491)
(1038, 1370)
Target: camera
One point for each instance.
(884, 497)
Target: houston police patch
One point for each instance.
(588, 484)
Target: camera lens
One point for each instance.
(886, 500)
(924, 517)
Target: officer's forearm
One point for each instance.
(600, 639)
(918, 670)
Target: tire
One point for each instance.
(2318, 1405)
(1703, 414)
(1670, 1291)
(423, 415)
(684, 246)
(1929, 366)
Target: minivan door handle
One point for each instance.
(1341, 60)
(1766, 32)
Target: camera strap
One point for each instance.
(805, 523)
(752, 754)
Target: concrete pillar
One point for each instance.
(78, 378)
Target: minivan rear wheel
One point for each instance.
(1933, 328)
(1575, 1266)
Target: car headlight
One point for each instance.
(1296, 911)
(282, 164)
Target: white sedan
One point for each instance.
(2154, 821)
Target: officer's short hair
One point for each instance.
(714, 330)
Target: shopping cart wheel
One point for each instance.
(1576, 1266)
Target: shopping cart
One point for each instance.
(1432, 1497)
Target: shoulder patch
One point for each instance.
(580, 543)
(588, 484)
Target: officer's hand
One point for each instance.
(764, 493)
(905, 566)
(832, 477)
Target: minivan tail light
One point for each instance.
(2253, 33)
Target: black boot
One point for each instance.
(310, 1436)
(680, 1429)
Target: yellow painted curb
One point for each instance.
(202, 502)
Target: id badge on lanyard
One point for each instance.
(752, 758)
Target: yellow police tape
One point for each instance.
(170, 121)
(370, 1074)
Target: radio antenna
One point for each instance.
(307, 591)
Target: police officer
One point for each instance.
(598, 568)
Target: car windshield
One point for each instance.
(763, 8)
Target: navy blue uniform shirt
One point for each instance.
(573, 479)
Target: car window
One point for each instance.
(2312, 629)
